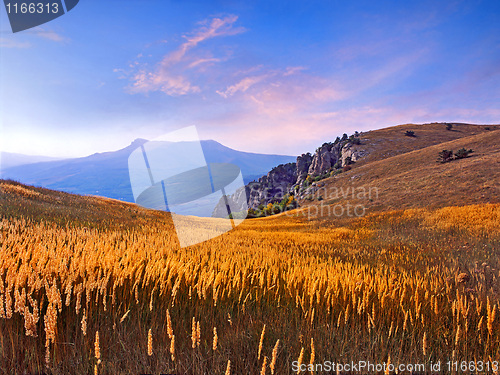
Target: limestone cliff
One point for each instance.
(298, 178)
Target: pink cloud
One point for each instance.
(204, 61)
(170, 84)
(169, 75)
(242, 86)
(277, 91)
(293, 70)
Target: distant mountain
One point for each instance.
(106, 174)
(10, 159)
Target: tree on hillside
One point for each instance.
(463, 153)
(445, 156)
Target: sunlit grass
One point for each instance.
(376, 287)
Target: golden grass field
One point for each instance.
(109, 291)
(94, 285)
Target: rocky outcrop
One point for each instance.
(325, 158)
(267, 189)
(351, 152)
(273, 186)
(293, 177)
(304, 162)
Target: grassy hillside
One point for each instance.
(92, 285)
(39, 204)
(384, 143)
(395, 287)
(413, 178)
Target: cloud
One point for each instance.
(275, 93)
(170, 75)
(12, 43)
(204, 61)
(293, 70)
(49, 34)
(170, 84)
(210, 29)
(243, 85)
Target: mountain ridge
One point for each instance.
(106, 173)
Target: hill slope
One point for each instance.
(414, 178)
(384, 143)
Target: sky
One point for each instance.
(278, 77)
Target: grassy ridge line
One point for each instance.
(391, 141)
(40, 204)
(415, 179)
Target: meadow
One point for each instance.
(109, 296)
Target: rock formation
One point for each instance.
(292, 178)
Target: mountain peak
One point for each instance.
(138, 142)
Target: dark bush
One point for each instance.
(449, 126)
(463, 153)
(445, 156)
(410, 133)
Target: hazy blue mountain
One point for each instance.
(10, 159)
(106, 174)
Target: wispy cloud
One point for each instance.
(170, 74)
(204, 62)
(13, 43)
(209, 29)
(49, 34)
(170, 84)
(243, 85)
(276, 92)
(19, 41)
